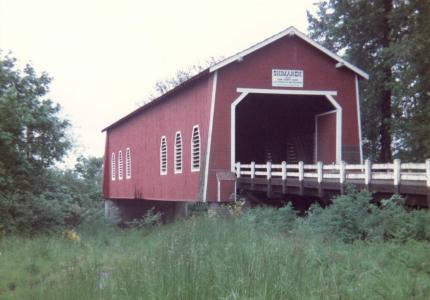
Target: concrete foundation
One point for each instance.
(124, 210)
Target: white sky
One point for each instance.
(105, 55)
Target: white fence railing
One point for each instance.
(396, 172)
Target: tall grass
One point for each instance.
(352, 250)
(256, 256)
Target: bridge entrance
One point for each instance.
(289, 128)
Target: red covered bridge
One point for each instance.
(286, 99)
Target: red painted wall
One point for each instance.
(191, 106)
(142, 133)
(326, 138)
(255, 71)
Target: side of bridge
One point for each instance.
(318, 179)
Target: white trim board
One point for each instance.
(287, 92)
(246, 92)
(210, 129)
(290, 31)
(357, 97)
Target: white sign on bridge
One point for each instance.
(287, 78)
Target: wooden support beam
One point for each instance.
(342, 172)
(367, 172)
(269, 170)
(428, 172)
(284, 170)
(238, 169)
(320, 171)
(396, 172)
(301, 171)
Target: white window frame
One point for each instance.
(128, 163)
(163, 172)
(194, 169)
(177, 165)
(113, 167)
(120, 165)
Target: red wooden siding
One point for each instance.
(255, 72)
(185, 107)
(143, 132)
(326, 138)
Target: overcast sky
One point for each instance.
(105, 55)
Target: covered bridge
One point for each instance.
(286, 99)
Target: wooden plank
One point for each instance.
(413, 166)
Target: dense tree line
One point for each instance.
(390, 40)
(34, 194)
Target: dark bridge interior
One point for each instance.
(277, 127)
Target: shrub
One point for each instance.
(150, 219)
(354, 216)
(269, 218)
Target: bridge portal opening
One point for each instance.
(289, 128)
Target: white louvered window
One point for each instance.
(178, 153)
(163, 156)
(195, 149)
(112, 166)
(120, 165)
(128, 164)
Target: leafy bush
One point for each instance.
(150, 219)
(269, 218)
(68, 199)
(354, 216)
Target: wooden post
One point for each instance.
(396, 171)
(342, 172)
(301, 171)
(428, 172)
(367, 172)
(284, 170)
(238, 169)
(252, 169)
(269, 170)
(320, 172)
(284, 177)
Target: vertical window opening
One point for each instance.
(195, 149)
(112, 168)
(120, 165)
(163, 156)
(178, 153)
(128, 164)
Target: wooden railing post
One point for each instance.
(301, 171)
(396, 171)
(320, 171)
(428, 172)
(342, 172)
(367, 171)
(252, 169)
(269, 170)
(238, 169)
(284, 170)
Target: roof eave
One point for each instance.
(289, 31)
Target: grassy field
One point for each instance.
(211, 258)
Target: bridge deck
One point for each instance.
(317, 179)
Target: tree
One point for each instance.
(163, 86)
(32, 135)
(388, 38)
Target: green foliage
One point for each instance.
(149, 220)
(269, 218)
(210, 258)
(32, 135)
(70, 198)
(353, 217)
(35, 196)
(389, 39)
